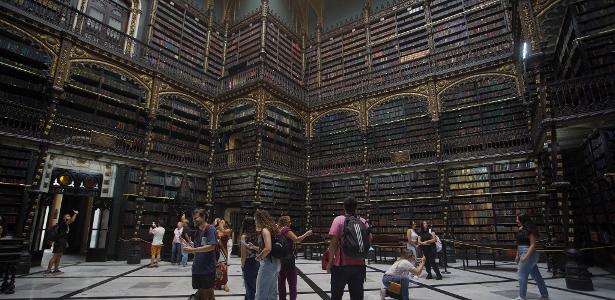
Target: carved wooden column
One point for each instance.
(210, 22)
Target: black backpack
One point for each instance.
(279, 246)
(53, 233)
(355, 239)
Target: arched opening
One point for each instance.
(114, 13)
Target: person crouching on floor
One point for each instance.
(399, 273)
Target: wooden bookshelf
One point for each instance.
(181, 132)
(283, 196)
(337, 143)
(400, 131)
(16, 171)
(483, 115)
(327, 196)
(24, 69)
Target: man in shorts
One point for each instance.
(158, 232)
(204, 265)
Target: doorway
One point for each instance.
(78, 235)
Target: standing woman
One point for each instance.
(527, 258)
(224, 234)
(248, 250)
(288, 270)
(413, 239)
(427, 244)
(267, 279)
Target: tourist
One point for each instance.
(267, 278)
(176, 251)
(186, 240)
(413, 239)
(224, 235)
(427, 244)
(346, 269)
(204, 265)
(399, 272)
(288, 272)
(158, 232)
(59, 245)
(527, 258)
(248, 251)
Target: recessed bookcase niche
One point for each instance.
(483, 115)
(181, 132)
(401, 197)
(103, 109)
(236, 145)
(337, 144)
(283, 195)
(24, 71)
(327, 197)
(400, 132)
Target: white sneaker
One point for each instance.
(383, 293)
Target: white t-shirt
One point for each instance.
(158, 233)
(400, 267)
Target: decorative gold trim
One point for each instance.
(439, 92)
(542, 8)
(316, 116)
(299, 113)
(225, 106)
(39, 40)
(205, 104)
(77, 53)
(379, 101)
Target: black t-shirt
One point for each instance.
(426, 236)
(523, 237)
(63, 230)
(205, 262)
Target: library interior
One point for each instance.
(464, 114)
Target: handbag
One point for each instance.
(394, 288)
(324, 259)
(288, 263)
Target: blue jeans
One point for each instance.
(527, 268)
(176, 252)
(184, 257)
(250, 271)
(267, 279)
(405, 283)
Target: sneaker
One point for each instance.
(543, 298)
(439, 277)
(519, 298)
(383, 293)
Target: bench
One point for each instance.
(387, 245)
(312, 246)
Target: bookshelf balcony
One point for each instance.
(173, 153)
(19, 119)
(422, 152)
(487, 143)
(57, 15)
(232, 159)
(90, 135)
(579, 96)
(283, 161)
(350, 162)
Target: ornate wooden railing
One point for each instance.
(168, 152)
(232, 159)
(488, 143)
(336, 164)
(420, 152)
(84, 134)
(580, 96)
(55, 14)
(283, 161)
(23, 120)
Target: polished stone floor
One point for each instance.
(117, 280)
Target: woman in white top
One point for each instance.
(399, 272)
(413, 239)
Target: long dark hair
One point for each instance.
(528, 224)
(248, 228)
(423, 227)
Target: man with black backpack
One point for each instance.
(350, 243)
(58, 234)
